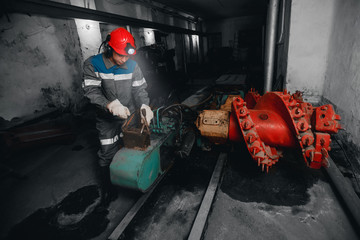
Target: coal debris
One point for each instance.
(78, 216)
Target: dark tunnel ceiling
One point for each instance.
(218, 9)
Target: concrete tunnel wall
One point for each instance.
(310, 30)
(342, 85)
(324, 57)
(42, 57)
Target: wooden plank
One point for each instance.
(201, 217)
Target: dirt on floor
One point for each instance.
(173, 206)
(286, 183)
(290, 202)
(78, 216)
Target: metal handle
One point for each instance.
(143, 111)
(145, 123)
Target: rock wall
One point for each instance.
(40, 63)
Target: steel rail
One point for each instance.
(201, 218)
(134, 210)
(198, 227)
(340, 185)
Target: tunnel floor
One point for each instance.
(59, 200)
(290, 202)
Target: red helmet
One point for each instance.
(122, 42)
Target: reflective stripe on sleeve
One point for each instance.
(119, 77)
(138, 83)
(91, 82)
(109, 140)
(116, 77)
(105, 75)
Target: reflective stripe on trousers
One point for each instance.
(109, 135)
(109, 140)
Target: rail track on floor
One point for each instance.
(348, 198)
(199, 223)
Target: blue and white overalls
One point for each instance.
(104, 82)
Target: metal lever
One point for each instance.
(143, 116)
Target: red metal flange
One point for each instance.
(277, 120)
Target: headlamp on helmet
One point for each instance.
(129, 49)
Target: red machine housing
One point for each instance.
(277, 120)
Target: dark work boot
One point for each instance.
(108, 192)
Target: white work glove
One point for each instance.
(149, 114)
(117, 109)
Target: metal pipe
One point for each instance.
(270, 44)
(61, 10)
(345, 190)
(184, 53)
(282, 27)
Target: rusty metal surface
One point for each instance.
(134, 139)
(214, 124)
(136, 134)
(227, 105)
